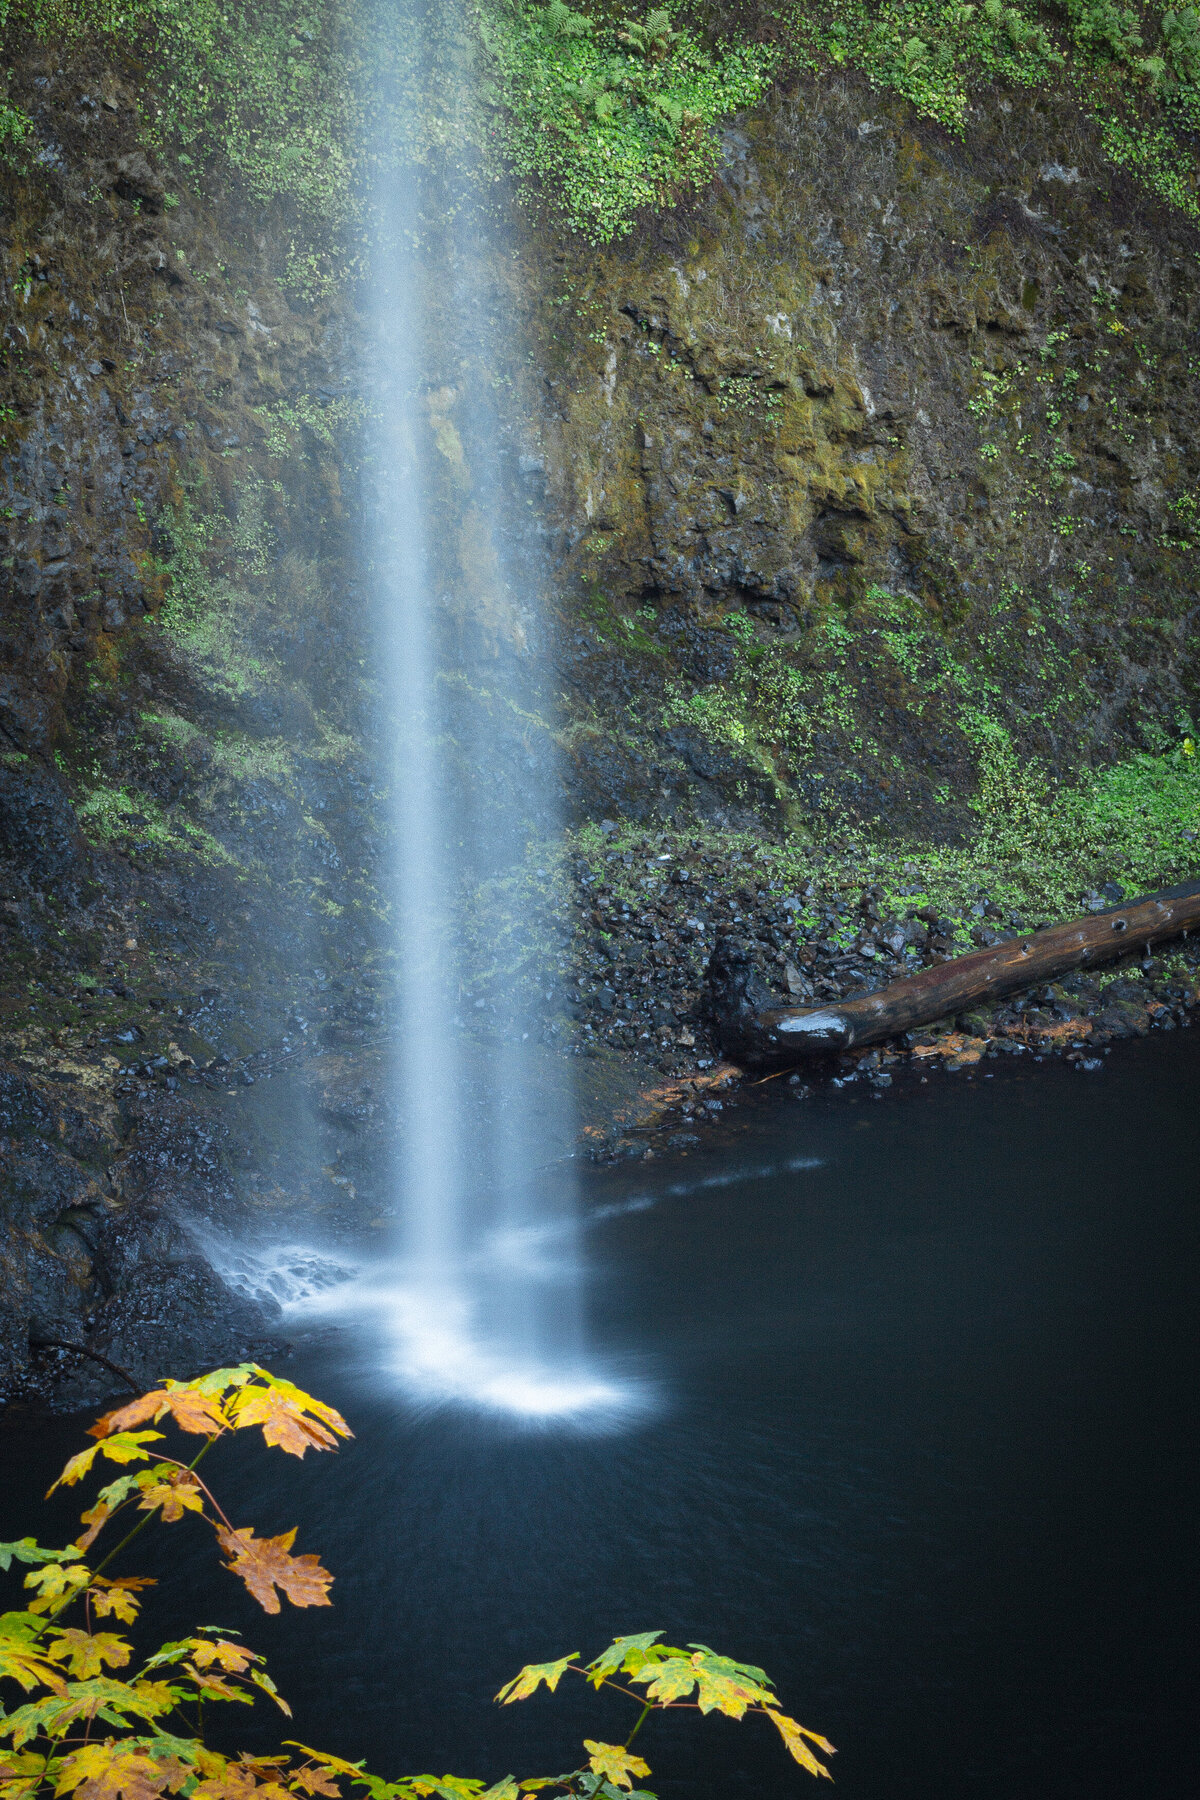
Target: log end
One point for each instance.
(736, 996)
(748, 1021)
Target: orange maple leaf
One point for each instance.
(316, 1781)
(250, 1778)
(264, 1565)
(95, 1519)
(191, 1411)
(178, 1492)
(283, 1423)
(233, 1783)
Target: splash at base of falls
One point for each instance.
(430, 1337)
(441, 1353)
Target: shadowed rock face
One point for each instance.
(95, 1245)
(880, 424)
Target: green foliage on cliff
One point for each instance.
(608, 116)
(1137, 74)
(262, 85)
(15, 124)
(599, 112)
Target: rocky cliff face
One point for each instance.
(858, 489)
(883, 386)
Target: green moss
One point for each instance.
(268, 86)
(1037, 854)
(129, 817)
(606, 117)
(207, 612)
(1136, 75)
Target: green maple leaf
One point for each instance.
(671, 1680)
(27, 1550)
(532, 1676)
(220, 1379)
(727, 1686)
(26, 1722)
(727, 1664)
(120, 1489)
(460, 1787)
(628, 1653)
(114, 1701)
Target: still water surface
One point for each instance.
(922, 1441)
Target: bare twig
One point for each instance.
(47, 1343)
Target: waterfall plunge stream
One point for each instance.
(484, 1302)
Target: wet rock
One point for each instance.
(38, 827)
(177, 1317)
(1122, 1019)
(736, 991)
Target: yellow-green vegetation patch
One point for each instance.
(1135, 72)
(600, 112)
(266, 85)
(606, 116)
(1039, 849)
(328, 421)
(207, 612)
(129, 817)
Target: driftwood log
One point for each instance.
(757, 1032)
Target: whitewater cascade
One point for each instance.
(485, 1305)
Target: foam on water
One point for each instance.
(438, 1337)
(430, 1338)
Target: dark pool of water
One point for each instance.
(925, 1447)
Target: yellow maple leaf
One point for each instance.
(176, 1493)
(117, 1597)
(126, 1447)
(112, 1772)
(56, 1582)
(532, 1676)
(88, 1652)
(615, 1763)
(794, 1735)
(283, 1410)
(22, 1662)
(233, 1658)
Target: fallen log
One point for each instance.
(754, 1030)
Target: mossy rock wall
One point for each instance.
(924, 411)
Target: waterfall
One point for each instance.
(486, 1303)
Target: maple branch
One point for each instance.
(647, 1708)
(188, 1469)
(618, 1689)
(127, 1539)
